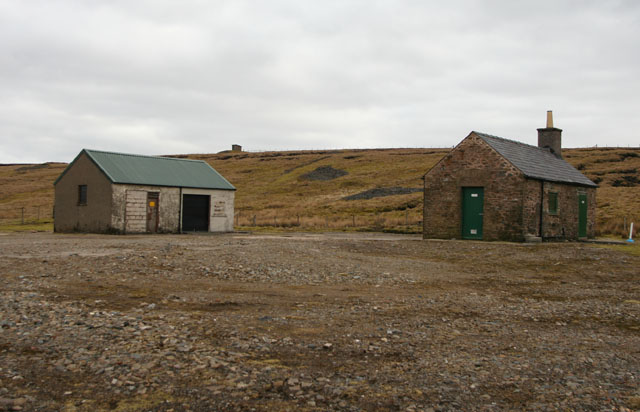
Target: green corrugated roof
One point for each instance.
(155, 171)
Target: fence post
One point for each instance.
(406, 218)
(38, 213)
(298, 220)
(326, 221)
(275, 221)
(353, 220)
(254, 220)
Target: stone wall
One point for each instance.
(473, 163)
(591, 212)
(564, 223)
(512, 202)
(531, 207)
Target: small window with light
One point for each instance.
(82, 195)
(553, 203)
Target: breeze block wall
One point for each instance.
(221, 212)
(473, 163)
(129, 205)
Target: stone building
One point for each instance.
(107, 192)
(492, 188)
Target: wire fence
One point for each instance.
(441, 147)
(25, 215)
(406, 221)
(374, 221)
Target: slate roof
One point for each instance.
(536, 162)
(155, 171)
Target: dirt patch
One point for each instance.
(324, 173)
(29, 168)
(306, 164)
(382, 192)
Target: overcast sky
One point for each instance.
(195, 76)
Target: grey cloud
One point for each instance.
(195, 76)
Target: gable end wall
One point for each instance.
(95, 215)
(473, 163)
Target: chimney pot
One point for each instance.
(549, 118)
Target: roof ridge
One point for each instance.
(141, 155)
(510, 140)
(536, 162)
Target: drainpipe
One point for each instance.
(541, 206)
(180, 213)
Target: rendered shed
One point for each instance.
(492, 188)
(108, 192)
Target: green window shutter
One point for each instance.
(553, 203)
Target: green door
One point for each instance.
(472, 207)
(582, 215)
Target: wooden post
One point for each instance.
(275, 221)
(353, 220)
(326, 221)
(38, 213)
(298, 220)
(22, 215)
(254, 220)
(406, 218)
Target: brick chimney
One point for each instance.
(551, 137)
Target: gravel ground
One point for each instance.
(315, 322)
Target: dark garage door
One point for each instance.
(195, 213)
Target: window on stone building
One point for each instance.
(553, 203)
(82, 195)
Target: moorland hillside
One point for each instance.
(339, 189)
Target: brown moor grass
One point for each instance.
(272, 187)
